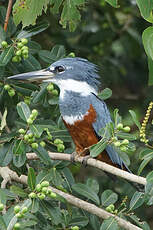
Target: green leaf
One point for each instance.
(58, 52)
(94, 221)
(46, 56)
(2, 35)
(40, 95)
(31, 64)
(146, 160)
(43, 155)
(105, 94)
(34, 206)
(3, 196)
(18, 191)
(108, 197)
(2, 223)
(93, 185)
(98, 148)
(43, 25)
(147, 38)
(55, 177)
(80, 221)
(149, 185)
(31, 179)
(85, 191)
(36, 129)
(110, 224)
(117, 117)
(6, 56)
(23, 110)
(150, 66)
(19, 153)
(6, 154)
(134, 117)
(27, 12)
(137, 200)
(128, 136)
(56, 4)
(146, 9)
(113, 3)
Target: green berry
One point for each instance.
(15, 59)
(42, 143)
(17, 209)
(34, 145)
(24, 210)
(49, 190)
(16, 226)
(25, 52)
(120, 126)
(38, 187)
(7, 87)
(53, 195)
(24, 48)
(24, 41)
(126, 129)
(19, 45)
(125, 142)
(60, 147)
(117, 143)
(50, 137)
(112, 207)
(41, 196)
(25, 56)
(50, 87)
(55, 92)
(58, 141)
(34, 112)
(26, 137)
(115, 211)
(71, 55)
(18, 53)
(75, 228)
(4, 44)
(44, 190)
(11, 92)
(45, 183)
(19, 215)
(32, 195)
(123, 148)
(1, 207)
(108, 209)
(21, 131)
(29, 121)
(30, 135)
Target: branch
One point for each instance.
(94, 163)
(8, 14)
(91, 208)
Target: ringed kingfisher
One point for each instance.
(82, 111)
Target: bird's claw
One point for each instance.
(72, 158)
(85, 159)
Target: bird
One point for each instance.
(82, 111)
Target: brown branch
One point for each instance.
(8, 14)
(91, 208)
(94, 163)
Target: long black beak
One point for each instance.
(39, 75)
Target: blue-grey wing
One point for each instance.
(102, 119)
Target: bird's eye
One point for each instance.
(59, 69)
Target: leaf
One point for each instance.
(56, 4)
(147, 38)
(105, 94)
(28, 11)
(109, 224)
(45, 55)
(2, 35)
(3, 120)
(6, 154)
(94, 221)
(23, 110)
(43, 155)
(149, 185)
(2, 223)
(146, 160)
(137, 200)
(40, 95)
(43, 25)
(146, 9)
(128, 136)
(80, 221)
(3, 197)
(93, 184)
(18, 191)
(150, 66)
(134, 117)
(34, 206)
(31, 179)
(85, 191)
(117, 117)
(31, 64)
(98, 148)
(58, 52)
(6, 56)
(108, 197)
(37, 130)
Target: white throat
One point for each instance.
(75, 86)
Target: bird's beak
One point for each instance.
(40, 75)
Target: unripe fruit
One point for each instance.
(42, 143)
(120, 126)
(123, 148)
(7, 87)
(4, 44)
(117, 143)
(38, 187)
(34, 145)
(17, 209)
(44, 184)
(30, 135)
(24, 210)
(18, 53)
(75, 228)
(55, 92)
(108, 209)
(15, 59)
(16, 226)
(34, 112)
(25, 56)
(112, 207)
(50, 137)
(32, 195)
(24, 48)
(50, 87)
(26, 137)
(24, 41)
(60, 147)
(125, 142)
(19, 215)
(44, 190)
(53, 195)
(21, 131)
(25, 52)
(29, 121)
(11, 92)
(41, 196)
(115, 211)
(126, 129)
(71, 54)
(1, 207)
(58, 141)
(19, 45)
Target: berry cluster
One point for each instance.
(51, 89)
(1, 207)
(59, 143)
(111, 209)
(10, 90)
(122, 144)
(121, 128)
(41, 191)
(74, 228)
(19, 213)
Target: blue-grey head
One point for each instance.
(76, 74)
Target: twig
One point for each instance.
(91, 208)
(8, 14)
(6, 126)
(94, 163)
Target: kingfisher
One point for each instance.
(82, 111)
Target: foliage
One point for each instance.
(31, 122)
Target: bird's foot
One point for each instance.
(73, 155)
(85, 159)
